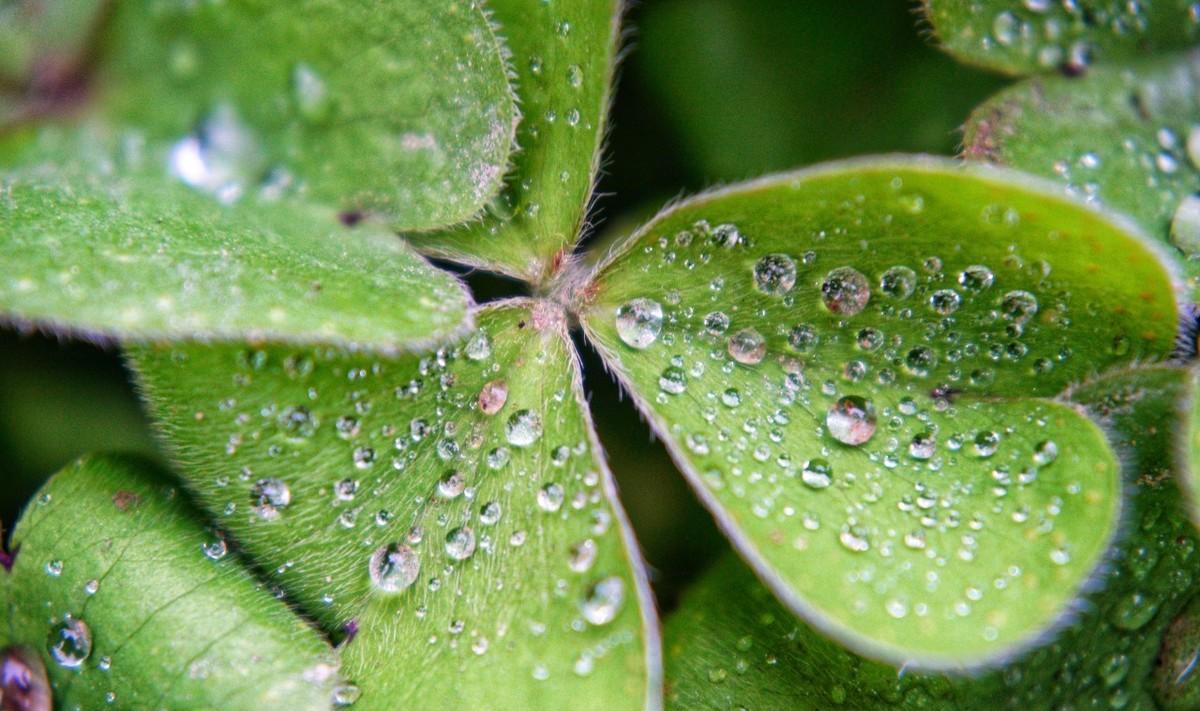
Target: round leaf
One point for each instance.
(849, 364)
(1021, 37)
(1130, 645)
(126, 599)
(1125, 136)
(452, 514)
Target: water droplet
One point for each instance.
(1175, 681)
(310, 94)
(1018, 306)
(673, 380)
(70, 642)
(346, 695)
(54, 568)
(817, 473)
(1045, 453)
(550, 497)
(1185, 226)
(215, 550)
(923, 445)
(460, 543)
(845, 291)
(747, 346)
(451, 485)
(603, 601)
(297, 422)
(492, 397)
(523, 428)
(220, 157)
(716, 323)
(490, 514)
(775, 274)
(945, 301)
(479, 346)
(851, 420)
(23, 682)
(898, 282)
(639, 322)
(583, 555)
(986, 443)
(803, 337)
(1134, 611)
(393, 568)
(269, 496)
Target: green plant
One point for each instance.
(938, 406)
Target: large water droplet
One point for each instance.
(70, 642)
(479, 346)
(673, 380)
(747, 346)
(1018, 306)
(270, 496)
(851, 420)
(603, 601)
(492, 397)
(639, 322)
(460, 543)
(775, 274)
(845, 291)
(393, 568)
(817, 473)
(550, 497)
(523, 428)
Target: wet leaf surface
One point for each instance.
(450, 515)
(128, 601)
(852, 366)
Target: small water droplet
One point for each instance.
(775, 274)
(479, 346)
(817, 473)
(220, 157)
(898, 282)
(492, 397)
(270, 496)
(550, 497)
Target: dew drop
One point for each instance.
(479, 346)
(851, 420)
(310, 94)
(523, 428)
(898, 282)
(550, 497)
(716, 323)
(1185, 226)
(452, 485)
(817, 473)
(393, 568)
(583, 555)
(603, 601)
(945, 301)
(922, 446)
(1018, 306)
(639, 322)
(747, 346)
(1045, 452)
(845, 291)
(673, 380)
(70, 642)
(270, 496)
(492, 397)
(775, 274)
(220, 157)
(986, 443)
(460, 543)
(490, 514)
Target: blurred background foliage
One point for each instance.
(710, 92)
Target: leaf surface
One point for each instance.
(452, 513)
(1042, 35)
(125, 598)
(852, 365)
(1125, 136)
(1129, 645)
(564, 55)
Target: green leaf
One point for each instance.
(851, 363)
(1127, 137)
(401, 109)
(148, 259)
(454, 511)
(43, 41)
(1042, 35)
(128, 600)
(1131, 644)
(564, 54)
